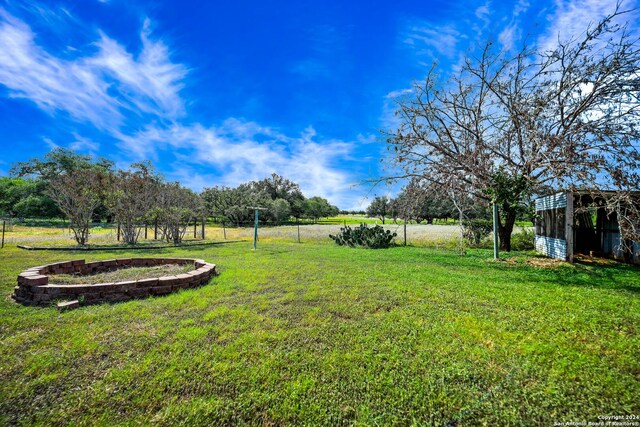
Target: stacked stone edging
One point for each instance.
(34, 287)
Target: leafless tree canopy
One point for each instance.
(176, 207)
(130, 196)
(564, 118)
(77, 194)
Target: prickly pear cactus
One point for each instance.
(374, 237)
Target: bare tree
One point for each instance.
(177, 206)
(130, 196)
(504, 127)
(77, 194)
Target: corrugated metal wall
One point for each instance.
(553, 248)
(557, 247)
(552, 201)
(549, 246)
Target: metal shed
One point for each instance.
(575, 222)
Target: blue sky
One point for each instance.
(220, 92)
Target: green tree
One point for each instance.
(318, 207)
(380, 207)
(278, 187)
(280, 210)
(511, 193)
(57, 162)
(25, 198)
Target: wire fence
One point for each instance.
(35, 232)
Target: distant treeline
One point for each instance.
(83, 189)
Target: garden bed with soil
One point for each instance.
(108, 281)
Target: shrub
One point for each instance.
(374, 237)
(523, 241)
(474, 230)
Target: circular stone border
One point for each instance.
(34, 287)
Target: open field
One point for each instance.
(318, 334)
(417, 234)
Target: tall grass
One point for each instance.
(317, 334)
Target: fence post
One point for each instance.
(224, 230)
(298, 224)
(118, 232)
(145, 231)
(405, 232)
(195, 227)
(204, 220)
(155, 233)
(3, 224)
(255, 232)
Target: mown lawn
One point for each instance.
(318, 334)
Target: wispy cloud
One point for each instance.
(325, 57)
(96, 88)
(388, 119)
(112, 87)
(510, 35)
(81, 143)
(571, 18)
(512, 31)
(483, 13)
(239, 151)
(28, 71)
(434, 40)
(149, 82)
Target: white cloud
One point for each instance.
(521, 7)
(28, 71)
(52, 145)
(483, 13)
(83, 144)
(571, 19)
(111, 85)
(509, 35)
(79, 143)
(388, 118)
(151, 82)
(433, 40)
(97, 88)
(239, 151)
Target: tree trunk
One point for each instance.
(505, 229)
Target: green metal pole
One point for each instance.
(496, 255)
(255, 232)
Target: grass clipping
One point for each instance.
(121, 275)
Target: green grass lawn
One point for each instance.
(318, 334)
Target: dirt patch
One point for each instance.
(539, 262)
(122, 274)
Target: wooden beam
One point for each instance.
(568, 226)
